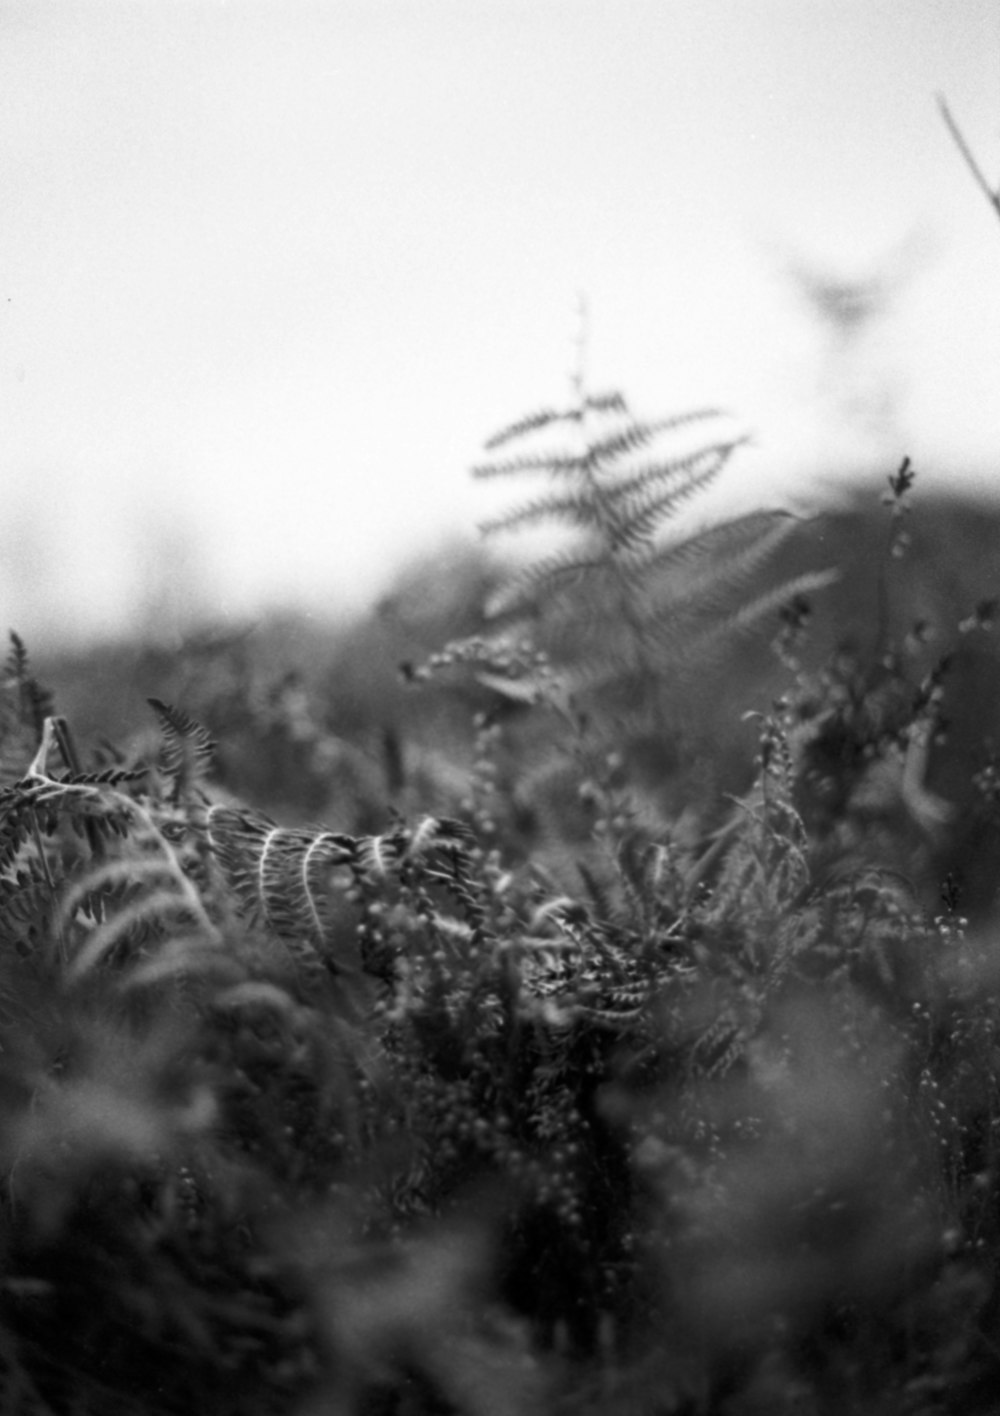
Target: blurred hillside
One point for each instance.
(315, 720)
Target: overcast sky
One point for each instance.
(270, 271)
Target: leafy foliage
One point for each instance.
(300, 1118)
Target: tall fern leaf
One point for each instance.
(621, 598)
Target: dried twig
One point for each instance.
(993, 197)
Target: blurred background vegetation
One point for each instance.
(321, 721)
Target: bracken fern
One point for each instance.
(624, 607)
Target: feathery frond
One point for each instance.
(187, 750)
(621, 600)
(24, 706)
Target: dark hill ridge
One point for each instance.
(934, 601)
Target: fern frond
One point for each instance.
(26, 904)
(531, 423)
(653, 494)
(16, 828)
(161, 909)
(130, 872)
(140, 897)
(674, 586)
(728, 549)
(611, 402)
(284, 880)
(24, 706)
(572, 510)
(641, 500)
(630, 594)
(43, 803)
(562, 571)
(184, 956)
(561, 462)
(747, 616)
(34, 703)
(618, 508)
(634, 435)
(187, 750)
(379, 856)
(311, 889)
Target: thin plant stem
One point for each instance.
(992, 196)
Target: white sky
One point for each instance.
(270, 271)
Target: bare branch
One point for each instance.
(993, 197)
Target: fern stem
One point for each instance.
(44, 861)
